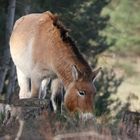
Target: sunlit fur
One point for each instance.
(41, 48)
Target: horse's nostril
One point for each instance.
(87, 116)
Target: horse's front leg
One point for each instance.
(24, 84)
(35, 87)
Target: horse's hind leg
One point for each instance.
(43, 88)
(56, 93)
(35, 86)
(24, 84)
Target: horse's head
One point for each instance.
(80, 94)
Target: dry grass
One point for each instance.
(129, 90)
(50, 126)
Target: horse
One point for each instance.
(42, 49)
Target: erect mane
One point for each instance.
(64, 32)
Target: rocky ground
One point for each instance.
(33, 120)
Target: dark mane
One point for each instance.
(67, 38)
(64, 32)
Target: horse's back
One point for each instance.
(23, 30)
(23, 41)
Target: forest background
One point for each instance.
(106, 32)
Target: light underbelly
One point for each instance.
(27, 66)
(22, 58)
(24, 64)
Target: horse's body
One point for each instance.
(41, 49)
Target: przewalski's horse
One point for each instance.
(41, 48)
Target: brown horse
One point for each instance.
(42, 49)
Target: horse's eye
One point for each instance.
(82, 93)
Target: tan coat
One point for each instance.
(41, 48)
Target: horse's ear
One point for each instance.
(95, 73)
(75, 73)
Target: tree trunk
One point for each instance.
(6, 64)
(10, 18)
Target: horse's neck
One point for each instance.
(64, 72)
(63, 55)
(65, 58)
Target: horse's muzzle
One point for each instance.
(87, 116)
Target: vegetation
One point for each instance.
(124, 26)
(98, 27)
